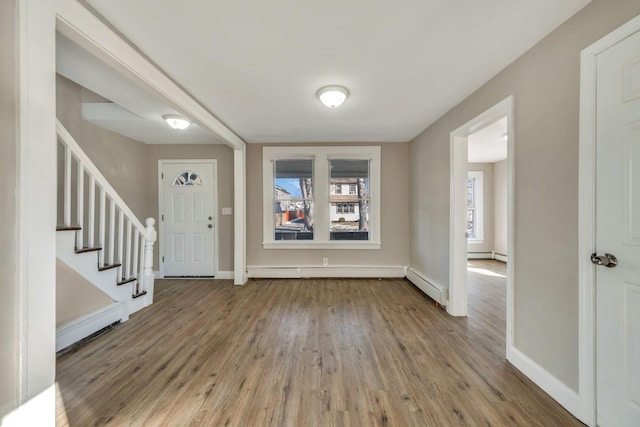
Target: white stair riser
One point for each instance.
(86, 264)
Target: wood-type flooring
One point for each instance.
(309, 352)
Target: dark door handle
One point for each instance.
(606, 260)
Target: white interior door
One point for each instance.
(618, 233)
(188, 219)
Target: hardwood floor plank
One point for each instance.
(308, 352)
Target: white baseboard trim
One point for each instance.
(296, 272)
(560, 392)
(220, 275)
(434, 290)
(224, 275)
(479, 255)
(38, 411)
(74, 331)
(500, 257)
(487, 255)
(137, 304)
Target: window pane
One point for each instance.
(188, 178)
(474, 206)
(293, 199)
(471, 209)
(349, 199)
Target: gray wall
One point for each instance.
(132, 166)
(75, 295)
(500, 207)
(123, 161)
(545, 86)
(394, 217)
(8, 225)
(487, 207)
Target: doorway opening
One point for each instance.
(470, 211)
(487, 231)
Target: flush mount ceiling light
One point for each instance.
(333, 96)
(176, 122)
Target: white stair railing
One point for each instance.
(126, 243)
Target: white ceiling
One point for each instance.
(258, 65)
(128, 109)
(488, 145)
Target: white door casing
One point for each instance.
(188, 209)
(618, 232)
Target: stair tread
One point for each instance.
(83, 250)
(108, 266)
(125, 281)
(139, 294)
(68, 228)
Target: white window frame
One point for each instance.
(321, 188)
(478, 199)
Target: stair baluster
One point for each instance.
(121, 246)
(67, 187)
(80, 205)
(112, 231)
(127, 245)
(91, 233)
(101, 227)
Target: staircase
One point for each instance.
(100, 237)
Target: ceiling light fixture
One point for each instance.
(177, 122)
(333, 96)
(505, 136)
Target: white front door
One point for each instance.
(188, 219)
(618, 233)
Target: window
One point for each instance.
(188, 178)
(321, 197)
(342, 208)
(293, 199)
(349, 214)
(474, 230)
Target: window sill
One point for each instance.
(322, 245)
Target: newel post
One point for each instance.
(151, 236)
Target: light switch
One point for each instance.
(226, 211)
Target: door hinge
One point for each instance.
(163, 217)
(162, 259)
(161, 175)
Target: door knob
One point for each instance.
(210, 225)
(606, 260)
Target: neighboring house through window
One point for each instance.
(306, 204)
(349, 213)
